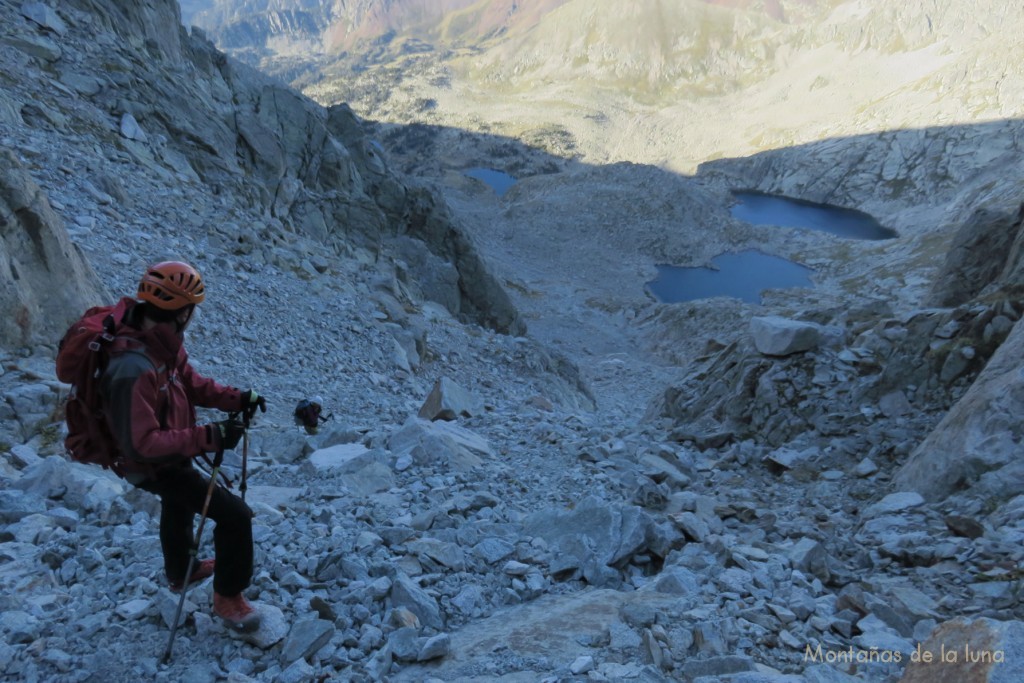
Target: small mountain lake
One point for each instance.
(742, 275)
(761, 208)
(498, 181)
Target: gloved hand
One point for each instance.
(228, 433)
(250, 402)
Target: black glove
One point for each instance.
(228, 433)
(250, 402)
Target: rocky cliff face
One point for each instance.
(975, 449)
(44, 281)
(183, 111)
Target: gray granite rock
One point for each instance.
(810, 557)
(448, 401)
(433, 442)
(305, 638)
(434, 647)
(274, 627)
(37, 46)
(894, 502)
(131, 129)
(45, 16)
(594, 530)
(717, 666)
(775, 336)
(405, 644)
(15, 505)
(406, 593)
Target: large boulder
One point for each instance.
(44, 281)
(775, 336)
(78, 486)
(593, 537)
(447, 401)
(428, 444)
(965, 651)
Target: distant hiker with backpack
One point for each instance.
(308, 414)
(147, 392)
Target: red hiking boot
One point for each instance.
(236, 612)
(203, 571)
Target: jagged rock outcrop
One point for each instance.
(975, 449)
(981, 252)
(1011, 280)
(44, 281)
(871, 367)
(297, 27)
(977, 445)
(153, 26)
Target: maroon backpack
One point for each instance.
(82, 357)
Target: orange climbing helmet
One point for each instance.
(171, 285)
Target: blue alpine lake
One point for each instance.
(498, 181)
(761, 208)
(742, 275)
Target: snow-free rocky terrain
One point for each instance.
(533, 471)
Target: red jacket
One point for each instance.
(150, 393)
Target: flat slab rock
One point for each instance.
(273, 627)
(550, 627)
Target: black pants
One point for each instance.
(182, 491)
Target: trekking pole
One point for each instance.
(243, 485)
(194, 551)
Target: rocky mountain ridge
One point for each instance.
(258, 29)
(747, 83)
(759, 524)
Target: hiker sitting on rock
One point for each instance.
(149, 394)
